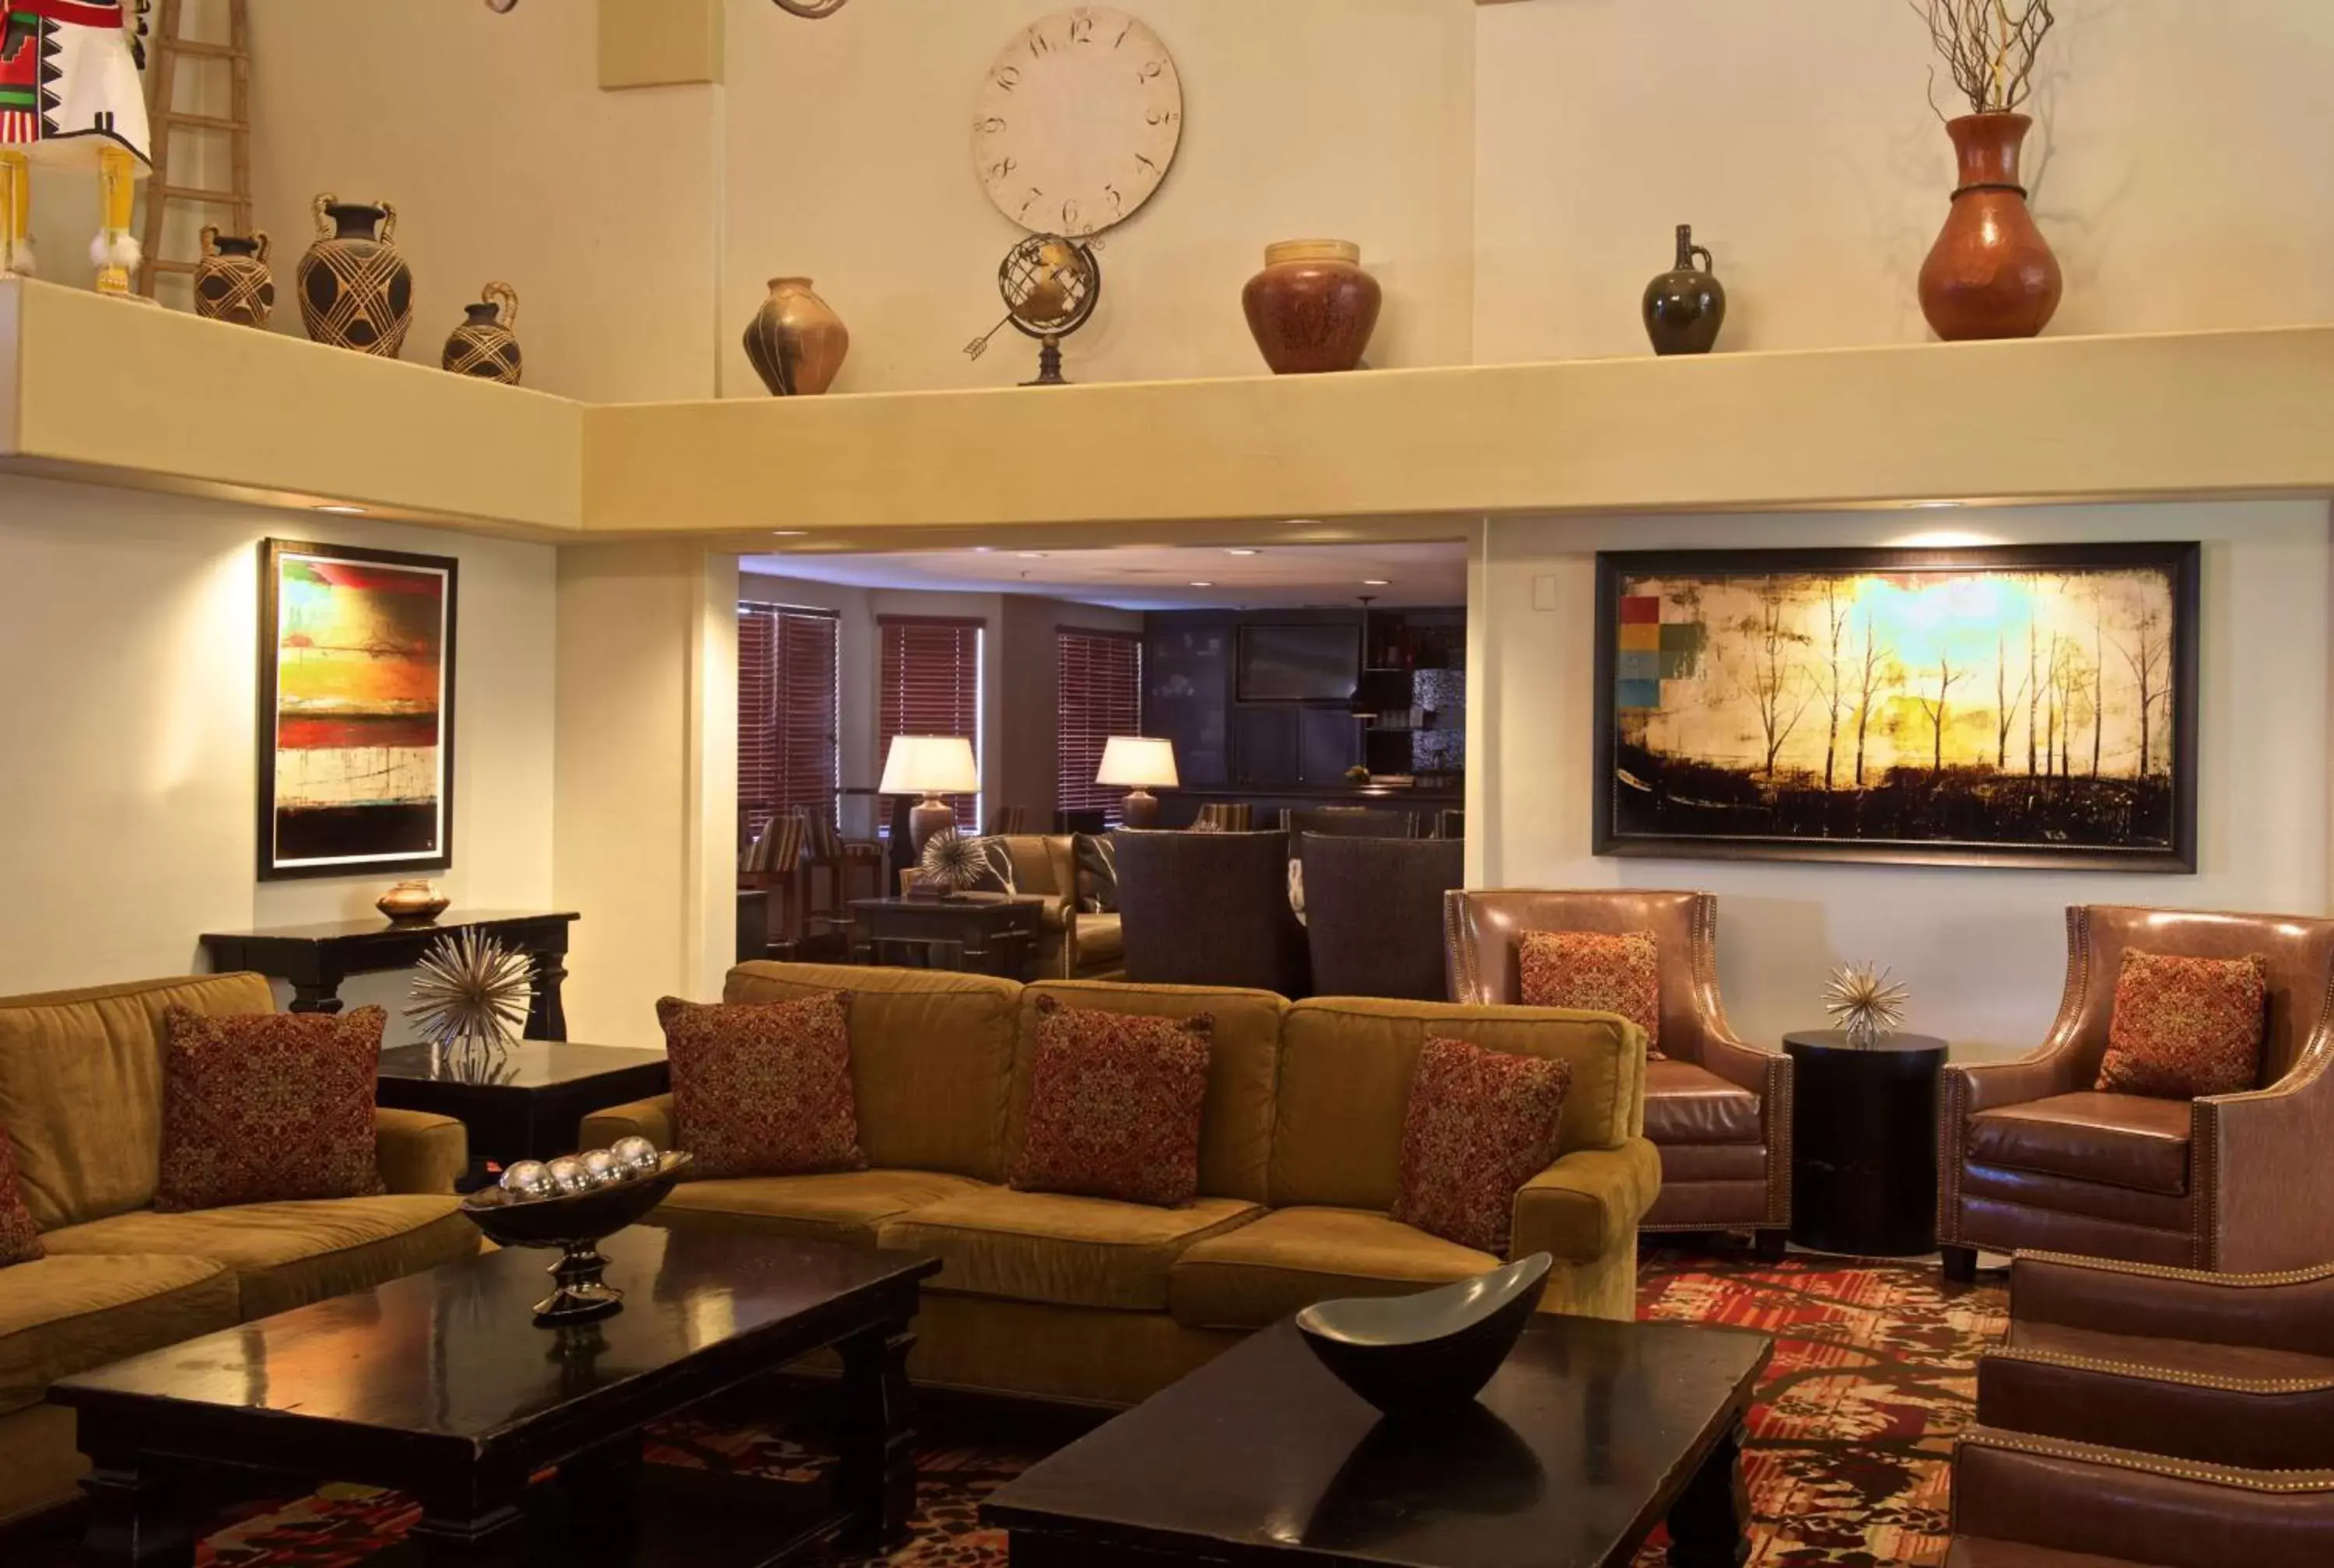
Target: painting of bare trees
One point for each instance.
(2029, 706)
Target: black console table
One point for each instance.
(1864, 1142)
(315, 959)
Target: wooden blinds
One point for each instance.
(1100, 695)
(786, 752)
(930, 685)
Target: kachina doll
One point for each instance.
(71, 98)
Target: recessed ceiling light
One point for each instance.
(1240, 552)
(983, 549)
(1203, 585)
(789, 533)
(339, 511)
(1377, 583)
(1031, 554)
(1934, 505)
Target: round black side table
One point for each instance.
(1864, 1142)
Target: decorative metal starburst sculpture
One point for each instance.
(472, 992)
(953, 860)
(1865, 1002)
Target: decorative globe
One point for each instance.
(604, 1168)
(1050, 285)
(568, 1175)
(636, 1154)
(529, 1180)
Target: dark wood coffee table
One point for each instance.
(977, 933)
(440, 1386)
(525, 1100)
(1591, 1435)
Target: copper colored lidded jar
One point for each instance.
(1312, 308)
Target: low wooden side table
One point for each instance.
(1864, 1142)
(524, 1101)
(978, 933)
(315, 959)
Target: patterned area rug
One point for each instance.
(1850, 1438)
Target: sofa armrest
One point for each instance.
(2292, 1311)
(649, 1118)
(1586, 1205)
(2263, 1186)
(418, 1151)
(2074, 1497)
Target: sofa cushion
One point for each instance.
(1114, 1104)
(1047, 1246)
(74, 1061)
(1347, 1064)
(287, 1254)
(268, 1107)
(844, 1206)
(20, 1238)
(2184, 1027)
(1689, 1105)
(2120, 1139)
(67, 1314)
(1595, 972)
(931, 1058)
(1243, 1059)
(1294, 1257)
(1480, 1124)
(764, 1088)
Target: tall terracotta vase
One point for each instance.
(1312, 309)
(355, 290)
(1990, 275)
(796, 340)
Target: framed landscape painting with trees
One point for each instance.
(2027, 705)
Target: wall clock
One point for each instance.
(1078, 119)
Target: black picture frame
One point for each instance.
(1614, 832)
(273, 864)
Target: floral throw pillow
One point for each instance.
(1480, 1124)
(20, 1238)
(1114, 1104)
(764, 1088)
(1599, 971)
(2185, 1028)
(268, 1107)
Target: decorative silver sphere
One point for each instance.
(636, 1154)
(529, 1180)
(604, 1168)
(568, 1175)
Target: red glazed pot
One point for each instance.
(1990, 275)
(1312, 308)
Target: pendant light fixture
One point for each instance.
(1361, 705)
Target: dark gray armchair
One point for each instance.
(1209, 909)
(1373, 913)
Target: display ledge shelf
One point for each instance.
(100, 391)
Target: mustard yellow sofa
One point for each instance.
(80, 1097)
(1085, 1299)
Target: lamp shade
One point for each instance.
(1137, 762)
(930, 764)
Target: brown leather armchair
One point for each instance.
(1718, 1110)
(2025, 1501)
(2219, 1368)
(2031, 1156)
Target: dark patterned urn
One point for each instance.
(232, 283)
(485, 346)
(355, 290)
(1686, 306)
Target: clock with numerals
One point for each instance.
(1078, 122)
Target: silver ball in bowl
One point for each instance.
(568, 1175)
(637, 1155)
(605, 1168)
(528, 1179)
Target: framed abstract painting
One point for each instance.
(356, 710)
(2025, 705)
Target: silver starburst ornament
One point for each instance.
(953, 860)
(472, 992)
(1866, 1001)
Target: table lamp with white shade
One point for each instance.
(930, 766)
(1138, 762)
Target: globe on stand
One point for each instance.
(1050, 286)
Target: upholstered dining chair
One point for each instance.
(1351, 822)
(2033, 1155)
(1209, 909)
(1718, 1111)
(1373, 913)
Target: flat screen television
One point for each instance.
(1319, 662)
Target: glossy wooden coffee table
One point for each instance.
(1593, 1433)
(440, 1386)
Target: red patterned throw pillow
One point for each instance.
(1114, 1104)
(2185, 1028)
(764, 1088)
(1596, 972)
(268, 1107)
(20, 1238)
(1480, 1124)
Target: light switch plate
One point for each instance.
(1544, 592)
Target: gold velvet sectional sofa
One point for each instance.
(1087, 1299)
(80, 1098)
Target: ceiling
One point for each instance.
(1158, 578)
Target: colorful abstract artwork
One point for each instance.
(356, 699)
(2031, 706)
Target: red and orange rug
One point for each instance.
(1850, 1439)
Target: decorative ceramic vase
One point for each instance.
(355, 290)
(484, 345)
(1990, 275)
(232, 283)
(796, 340)
(1685, 307)
(1312, 308)
(415, 901)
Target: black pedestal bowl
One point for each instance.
(1415, 1355)
(574, 1224)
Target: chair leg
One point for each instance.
(1961, 1264)
(1769, 1245)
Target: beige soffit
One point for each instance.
(660, 42)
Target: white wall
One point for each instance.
(1982, 950)
(128, 624)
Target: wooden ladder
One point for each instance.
(162, 77)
